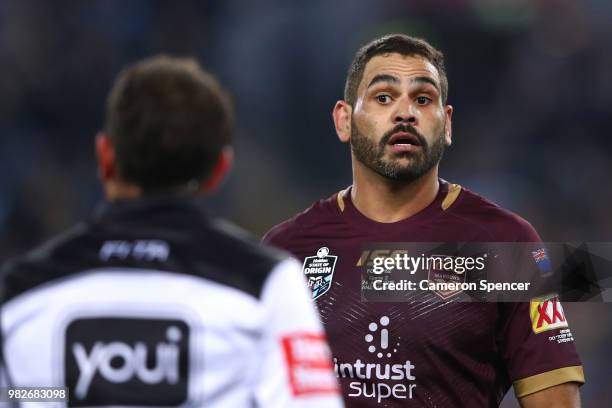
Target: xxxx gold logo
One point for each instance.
(546, 314)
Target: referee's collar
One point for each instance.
(177, 202)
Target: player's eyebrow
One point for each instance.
(395, 81)
(425, 80)
(384, 78)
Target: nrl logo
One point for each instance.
(319, 271)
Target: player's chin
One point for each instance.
(403, 164)
(403, 158)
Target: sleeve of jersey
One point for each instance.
(275, 237)
(296, 368)
(537, 345)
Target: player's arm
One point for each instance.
(295, 369)
(564, 396)
(539, 350)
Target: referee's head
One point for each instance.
(168, 128)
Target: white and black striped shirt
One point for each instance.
(154, 304)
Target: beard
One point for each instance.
(372, 155)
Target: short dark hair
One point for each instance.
(393, 43)
(168, 119)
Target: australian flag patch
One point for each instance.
(542, 261)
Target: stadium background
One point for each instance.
(530, 82)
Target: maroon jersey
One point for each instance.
(440, 354)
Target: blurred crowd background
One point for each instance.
(531, 83)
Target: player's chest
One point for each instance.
(334, 272)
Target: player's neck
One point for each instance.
(119, 190)
(384, 200)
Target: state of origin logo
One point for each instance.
(376, 379)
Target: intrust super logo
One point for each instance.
(126, 361)
(546, 314)
(384, 348)
(377, 380)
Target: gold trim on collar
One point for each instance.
(451, 195)
(539, 382)
(340, 199)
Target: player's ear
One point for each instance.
(448, 125)
(220, 170)
(342, 120)
(105, 155)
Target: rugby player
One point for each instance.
(152, 302)
(397, 121)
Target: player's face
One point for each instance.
(399, 126)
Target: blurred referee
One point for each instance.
(151, 302)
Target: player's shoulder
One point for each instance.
(55, 258)
(210, 249)
(239, 244)
(321, 213)
(71, 242)
(499, 223)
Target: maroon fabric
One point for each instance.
(442, 354)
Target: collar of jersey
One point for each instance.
(354, 216)
(175, 203)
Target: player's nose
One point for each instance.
(405, 113)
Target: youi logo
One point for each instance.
(118, 361)
(375, 379)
